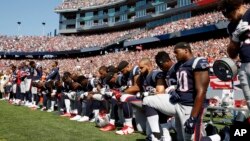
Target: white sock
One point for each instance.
(112, 121)
(154, 123)
(215, 137)
(52, 105)
(128, 122)
(67, 105)
(96, 112)
(165, 129)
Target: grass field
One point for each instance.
(23, 124)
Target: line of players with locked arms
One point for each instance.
(123, 87)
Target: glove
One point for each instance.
(145, 94)
(85, 94)
(53, 93)
(138, 95)
(241, 28)
(94, 90)
(190, 124)
(169, 89)
(174, 97)
(110, 93)
(71, 95)
(122, 88)
(117, 94)
(102, 91)
(43, 92)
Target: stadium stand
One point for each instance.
(110, 49)
(213, 49)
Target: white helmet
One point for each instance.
(102, 120)
(215, 101)
(227, 101)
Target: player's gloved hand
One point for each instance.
(85, 94)
(44, 93)
(72, 95)
(145, 94)
(53, 92)
(94, 90)
(174, 97)
(122, 88)
(169, 89)
(190, 125)
(138, 95)
(103, 91)
(109, 93)
(241, 28)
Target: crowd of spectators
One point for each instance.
(213, 49)
(59, 43)
(62, 43)
(183, 24)
(76, 4)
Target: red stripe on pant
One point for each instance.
(197, 129)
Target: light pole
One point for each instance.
(18, 28)
(43, 23)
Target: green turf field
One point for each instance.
(22, 124)
(18, 123)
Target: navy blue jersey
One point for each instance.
(92, 83)
(171, 75)
(149, 82)
(37, 74)
(130, 77)
(28, 72)
(244, 52)
(120, 81)
(54, 74)
(185, 79)
(31, 73)
(14, 76)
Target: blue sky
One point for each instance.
(31, 14)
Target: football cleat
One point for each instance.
(109, 127)
(125, 130)
(77, 117)
(66, 115)
(50, 110)
(43, 109)
(83, 119)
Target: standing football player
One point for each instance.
(239, 32)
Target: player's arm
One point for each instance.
(233, 49)
(201, 85)
(52, 74)
(160, 86)
(135, 87)
(76, 86)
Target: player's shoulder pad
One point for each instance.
(175, 67)
(200, 63)
(136, 70)
(156, 74)
(94, 82)
(119, 79)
